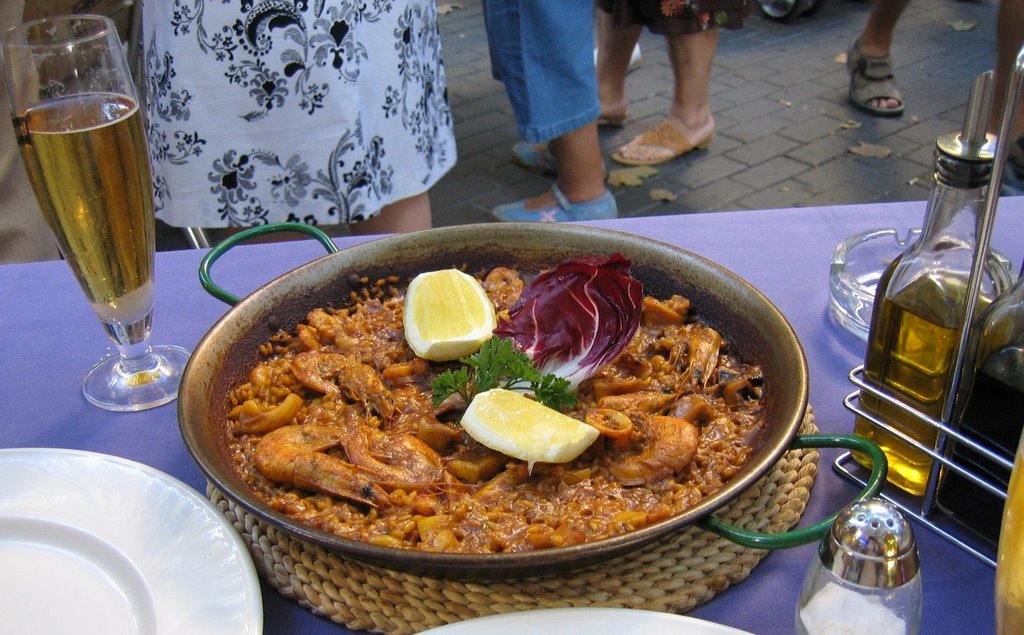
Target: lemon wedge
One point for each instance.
(447, 315)
(517, 426)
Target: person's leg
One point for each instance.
(542, 52)
(692, 57)
(615, 53)
(580, 169)
(876, 38)
(876, 42)
(1009, 37)
(614, 48)
(407, 215)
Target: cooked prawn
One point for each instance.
(334, 374)
(671, 443)
(397, 460)
(295, 455)
(646, 401)
(705, 344)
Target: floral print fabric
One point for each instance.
(309, 111)
(678, 17)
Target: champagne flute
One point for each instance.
(79, 126)
(1010, 558)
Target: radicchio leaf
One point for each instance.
(575, 318)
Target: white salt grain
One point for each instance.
(835, 610)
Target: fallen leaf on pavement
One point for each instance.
(871, 150)
(961, 25)
(841, 58)
(659, 194)
(445, 9)
(850, 124)
(785, 103)
(631, 177)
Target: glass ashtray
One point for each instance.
(857, 264)
(859, 261)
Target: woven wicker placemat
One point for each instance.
(673, 575)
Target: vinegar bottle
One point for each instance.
(989, 410)
(920, 308)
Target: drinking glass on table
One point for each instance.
(79, 126)
(1010, 558)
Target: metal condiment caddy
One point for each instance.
(923, 508)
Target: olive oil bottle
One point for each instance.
(920, 308)
(911, 359)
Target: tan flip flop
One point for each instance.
(666, 136)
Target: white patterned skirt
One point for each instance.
(313, 111)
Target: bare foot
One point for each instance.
(613, 115)
(885, 103)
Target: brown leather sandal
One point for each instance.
(666, 136)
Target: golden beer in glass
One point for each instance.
(78, 123)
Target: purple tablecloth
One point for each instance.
(52, 339)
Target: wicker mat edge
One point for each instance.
(673, 575)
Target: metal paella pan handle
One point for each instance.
(249, 234)
(814, 533)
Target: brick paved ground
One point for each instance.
(778, 96)
(779, 99)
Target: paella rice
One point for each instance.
(336, 428)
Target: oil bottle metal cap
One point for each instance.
(955, 145)
(972, 142)
(871, 544)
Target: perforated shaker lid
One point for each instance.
(871, 544)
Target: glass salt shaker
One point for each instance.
(866, 577)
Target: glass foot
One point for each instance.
(153, 380)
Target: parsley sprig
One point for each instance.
(499, 364)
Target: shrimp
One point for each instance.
(295, 455)
(705, 344)
(334, 374)
(648, 401)
(671, 445)
(399, 460)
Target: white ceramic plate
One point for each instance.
(91, 543)
(592, 621)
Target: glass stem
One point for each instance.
(132, 340)
(137, 358)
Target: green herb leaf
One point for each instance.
(451, 382)
(499, 363)
(554, 391)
